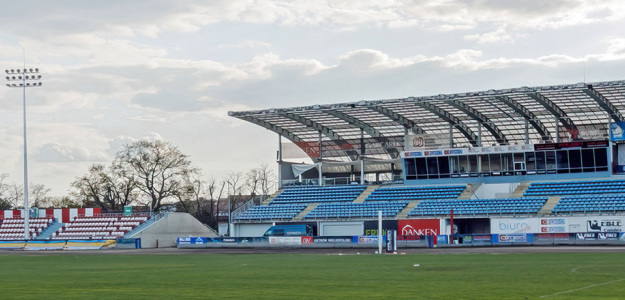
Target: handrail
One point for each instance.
(242, 208)
(147, 223)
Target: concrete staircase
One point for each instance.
(266, 201)
(469, 191)
(308, 208)
(520, 190)
(549, 205)
(47, 233)
(404, 213)
(366, 193)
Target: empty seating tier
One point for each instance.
(272, 212)
(416, 193)
(356, 210)
(13, 229)
(109, 227)
(576, 188)
(594, 203)
(525, 205)
(346, 193)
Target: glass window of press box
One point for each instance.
(557, 161)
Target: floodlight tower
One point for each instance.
(24, 78)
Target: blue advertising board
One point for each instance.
(617, 131)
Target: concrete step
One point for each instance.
(469, 191)
(520, 190)
(47, 233)
(306, 210)
(361, 198)
(404, 212)
(549, 205)
(266, 201)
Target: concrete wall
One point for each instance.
(169, 228)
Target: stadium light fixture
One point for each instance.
(24, 78)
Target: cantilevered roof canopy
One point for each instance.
(494, 117)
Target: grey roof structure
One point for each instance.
(494, 117)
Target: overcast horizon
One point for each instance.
(118, 71)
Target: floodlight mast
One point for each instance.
(24, 78)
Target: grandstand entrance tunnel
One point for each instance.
(470, 225)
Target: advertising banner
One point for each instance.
(391, 241)
(191, 240)
(617, 131)
(442, 239)
(604, 225)
(425, 141)
(411, 229)
(553, 225)
(285, 240)
(482, 239)
(515, 225)
(587, 236)
(332, 239)
(608, 236)
(512, 238)
(371, 227)
(366, 239)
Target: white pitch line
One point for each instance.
(583, 288)
(575, 270)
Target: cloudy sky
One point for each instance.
(118, 71)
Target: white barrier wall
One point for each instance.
(251, 230)
(341, 228)
(557, 224)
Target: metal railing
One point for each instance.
(339, 181)
(241, 209)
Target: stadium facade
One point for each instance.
(533, 160)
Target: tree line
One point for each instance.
(150, 175)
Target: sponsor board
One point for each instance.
(285, 240)
(442, 239)
(367, 239)
(371, 227)
(331, 240)
(307, 240)
(617, 131)
(604, 225)
(514, 225)
(512, 238)
(192, 240)
(553, 225)
(411, 229)
(587, 236)
(608, 236)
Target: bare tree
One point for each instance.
(64, 202)
(268, 180)
(235, 182)
(109, 188)
(38, 195)
(159, 167)
(5, 199)
(215, 192)
(16, 195)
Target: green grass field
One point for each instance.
(297, 276)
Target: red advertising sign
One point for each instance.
(409, 229)
(307, 240)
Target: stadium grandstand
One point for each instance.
(546, 159)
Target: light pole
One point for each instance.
(24, 78)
